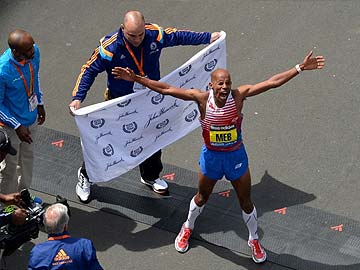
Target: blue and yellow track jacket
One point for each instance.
(112, 52)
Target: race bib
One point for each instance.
(223, 135)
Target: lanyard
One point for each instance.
(28, 91)
(59, 237)
(139, 65)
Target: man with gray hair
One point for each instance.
(61, 250)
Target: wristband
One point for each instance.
(138, 76)
(298, 68)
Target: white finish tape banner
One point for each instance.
(119, 134)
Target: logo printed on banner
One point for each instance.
(163, 132)
(98, 123)
(130, 128)
(108, 150)
(162, 124)
(191, 116)
(189, 105)
(124, 103)
(187, 80)
(211, 65)
(126, 114)
(133, 140)
(136, 152)
(160, 113)
(102, 135)
(210, 52)
(113, 163)
(185, 71)
(157, 99)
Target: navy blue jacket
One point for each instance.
(112, 52)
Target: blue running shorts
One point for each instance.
(216, 164)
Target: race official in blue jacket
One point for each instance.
(137, 45)
(21, 107)
(62, 251)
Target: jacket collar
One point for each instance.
(57, 236)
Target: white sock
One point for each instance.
(194, 212)
(251, 223)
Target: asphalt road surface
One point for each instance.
(305, 134)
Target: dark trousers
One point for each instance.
(149, 169)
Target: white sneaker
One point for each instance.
(158, 185)
(83, 187)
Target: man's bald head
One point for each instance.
(18, 37)
(221, 86)
(219, 74)
(21, 44)
(134, 27)
(134, 17)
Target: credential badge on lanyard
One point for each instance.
(137, 86)
(32, 98)
(33, 102)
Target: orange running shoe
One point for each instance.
(258, 252)
(182, 239)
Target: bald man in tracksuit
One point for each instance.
(137, 45)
